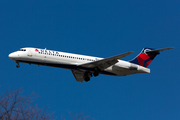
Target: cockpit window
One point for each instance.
(22, 50)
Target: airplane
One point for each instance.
(84, 67)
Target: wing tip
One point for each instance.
(171, 47)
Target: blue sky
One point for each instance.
(97, 28)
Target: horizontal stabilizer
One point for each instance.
(159, 50)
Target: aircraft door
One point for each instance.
(30, 52)
(45, 56)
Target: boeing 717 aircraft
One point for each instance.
(84, 67)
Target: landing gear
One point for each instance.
(87, 79)
(17, 64)
(96, 73)
(87, 76)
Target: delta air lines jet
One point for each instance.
(84, 67)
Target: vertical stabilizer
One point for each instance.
(145, 58)
(147, 55)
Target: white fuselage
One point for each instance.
(72, 61)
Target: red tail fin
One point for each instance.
(145, 57)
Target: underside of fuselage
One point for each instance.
(67, 66)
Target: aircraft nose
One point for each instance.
(13, 56)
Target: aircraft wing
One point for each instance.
(105, 63)
(79, 76)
